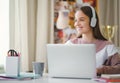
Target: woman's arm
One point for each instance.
(111, 65)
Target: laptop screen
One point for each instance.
(73, 61)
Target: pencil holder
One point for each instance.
(12, 66)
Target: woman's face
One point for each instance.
(82, 23)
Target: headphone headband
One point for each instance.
(93, 19)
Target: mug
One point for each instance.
(38, 68)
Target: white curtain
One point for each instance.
(30, 30)
(109, 14)
(44, 29)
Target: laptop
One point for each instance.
(71, 61)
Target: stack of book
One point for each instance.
(109, 78)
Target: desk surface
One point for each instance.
(46, 79)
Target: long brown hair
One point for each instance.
(96, 30)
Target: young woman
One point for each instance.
(87, 25)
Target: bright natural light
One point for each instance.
(4, 30)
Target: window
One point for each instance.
(4, 30)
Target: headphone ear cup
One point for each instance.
(93, 22)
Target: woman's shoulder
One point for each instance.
(104, 42)
(108, 43)
(101, 44)
(108, 46)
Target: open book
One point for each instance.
(22, 76)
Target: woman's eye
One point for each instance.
(81, 19)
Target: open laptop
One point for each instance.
(71, 61)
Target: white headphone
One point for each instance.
(93, 19)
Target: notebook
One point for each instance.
(22, 76)
(71, 61)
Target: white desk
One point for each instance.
(46, 79)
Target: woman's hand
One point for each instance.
(99, 71)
